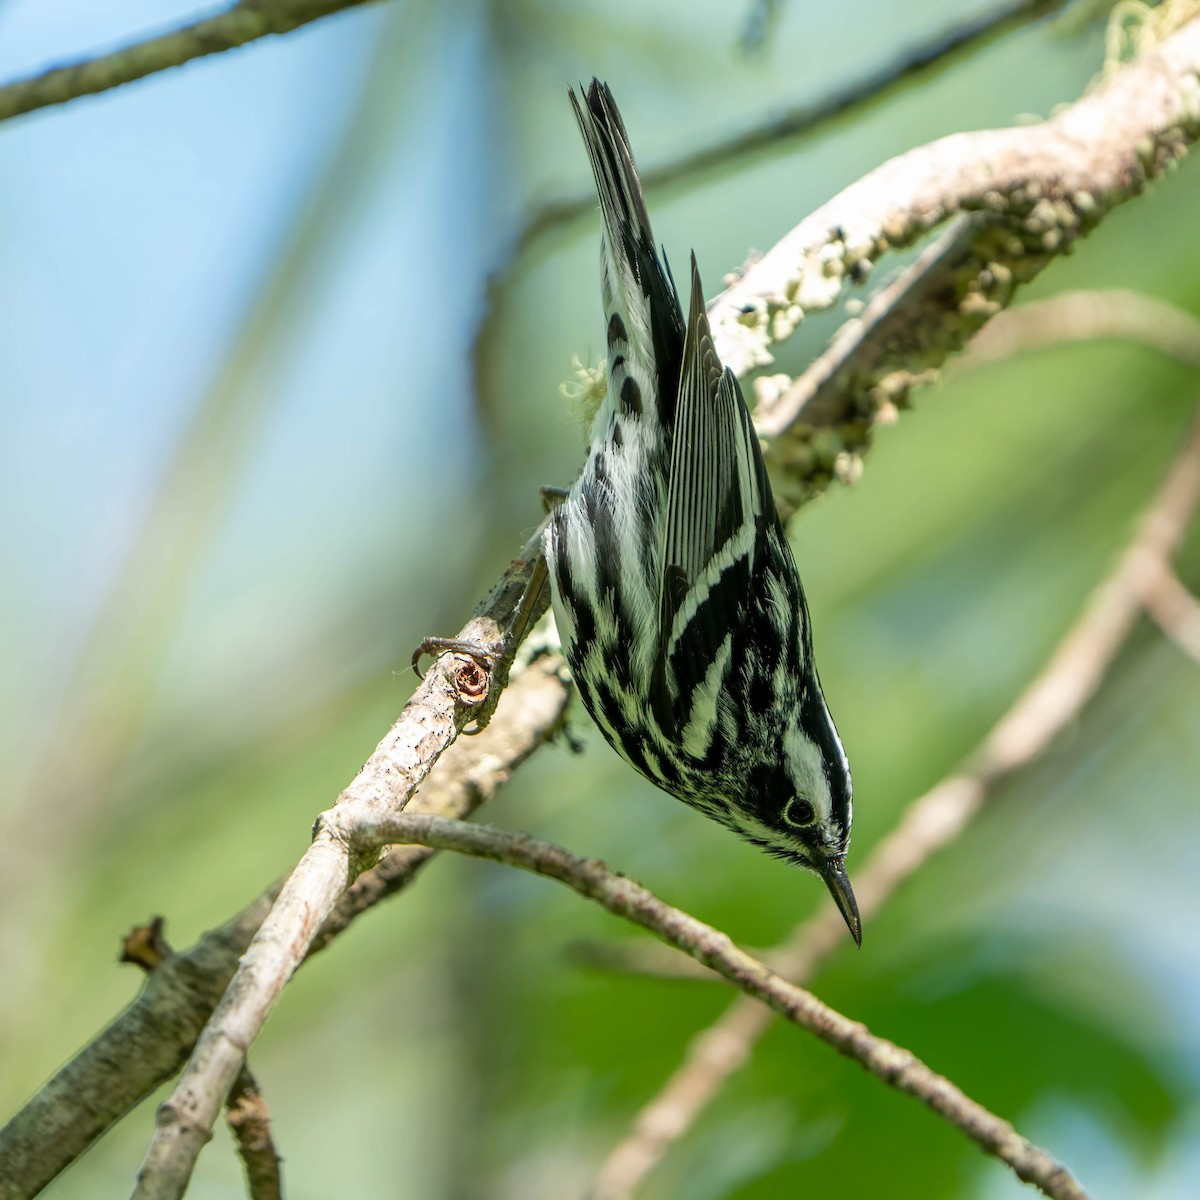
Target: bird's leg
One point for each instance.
(494, 655)
(552, 496)
(529, 607)
(488, 654)
(483, 653)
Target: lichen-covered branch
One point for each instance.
(894, 1065)
(1055, 180)
(1030, 191)
(244, 22)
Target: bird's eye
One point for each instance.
(799, 812)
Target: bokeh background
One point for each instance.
(275, 401)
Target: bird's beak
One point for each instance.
(833, 871)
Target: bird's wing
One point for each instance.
(718, 502)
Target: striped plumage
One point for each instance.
(676, 595)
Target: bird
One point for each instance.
(676, 595)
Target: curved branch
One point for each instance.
(148, 1043)
(1050, 703)
(1055, 180)
(897, 1067)
(1097, 314)
(244, 22)
(1174, 610)
(1030, 193)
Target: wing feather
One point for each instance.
(717, 501)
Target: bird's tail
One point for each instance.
(645, 321)
(621, 203)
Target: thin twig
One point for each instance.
(1173, 609)
(471, 772)
(938, 53)
(244, 22)
(249, 1121)
(1049, 704)
(1085, 316)
(894, 1065)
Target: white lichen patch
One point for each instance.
(847, 468)
(769, 388)
(1135, 28)
(1189, 98)
(586, 391)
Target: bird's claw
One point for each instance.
(485, 654)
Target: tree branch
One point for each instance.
(1173, 609)
(246, 1112)
(148, 1043)
(1032, 191)
(244, 22)
(1053, 700)
(460, 689)
(1094, 315)
(896, 1066)
(1056, 180)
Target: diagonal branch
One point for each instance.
(1093, 315)
(461, 689)
(1045, 708)
(245, 22)
(1030, 192)
(1053, 181)
(148, 1043)
(121, 1066)
(896, 1066)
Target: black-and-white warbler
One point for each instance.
(676, 595)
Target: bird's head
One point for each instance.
(798, 804)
